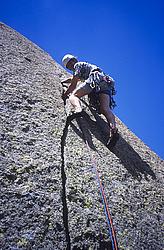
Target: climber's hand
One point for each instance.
(68, 80)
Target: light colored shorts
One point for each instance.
(104, 88)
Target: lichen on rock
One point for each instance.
(32, 123)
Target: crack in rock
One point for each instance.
(63, 176)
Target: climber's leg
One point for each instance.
(81, 91)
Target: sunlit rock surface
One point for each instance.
(40, 209)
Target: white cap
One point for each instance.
(67, 58)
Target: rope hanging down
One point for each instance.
(104, 200)
(111, 230)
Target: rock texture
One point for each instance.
(49, 195)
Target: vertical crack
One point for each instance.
(63, 176)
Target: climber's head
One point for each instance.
(69, 61)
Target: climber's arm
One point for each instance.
(72, 86)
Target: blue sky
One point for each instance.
(125, 38)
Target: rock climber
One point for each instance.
(92, 79)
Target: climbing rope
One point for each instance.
(102, 192)
(112, 233)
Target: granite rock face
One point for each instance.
(49, 195)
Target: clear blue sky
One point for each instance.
(125, 38)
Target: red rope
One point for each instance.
(114, 241)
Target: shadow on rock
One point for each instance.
(127, 155)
